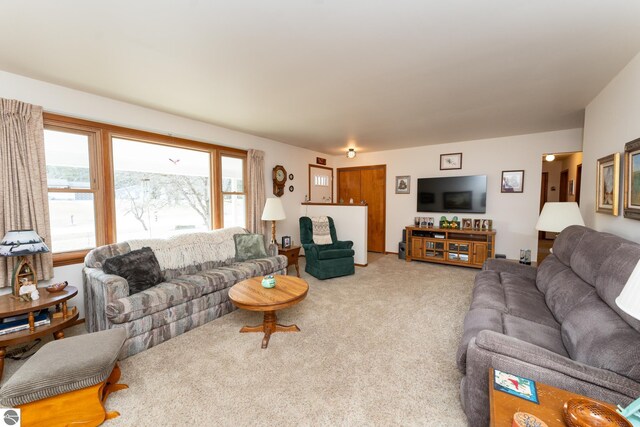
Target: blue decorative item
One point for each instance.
(631, 412)
(269, 282)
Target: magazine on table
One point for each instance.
(515, 385)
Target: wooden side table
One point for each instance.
(62, 318)
(550, 409)
(292, 253)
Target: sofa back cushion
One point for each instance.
(595, 335)
(563, 289)
(192, 252)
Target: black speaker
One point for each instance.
(402, 250)
(404, 235)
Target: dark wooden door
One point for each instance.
(368, 184)
(372, 190)
(578, 182)
(564, 185)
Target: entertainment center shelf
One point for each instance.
(468, 248)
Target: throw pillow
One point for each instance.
(139, 267)
(249, 246)
(321, 230)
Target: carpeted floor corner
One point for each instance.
(376, 348)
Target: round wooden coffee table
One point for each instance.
(250, 295)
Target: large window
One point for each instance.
(168, 192)
(72, 188)
(109, 184)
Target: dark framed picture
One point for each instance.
(291, 188)
(607, 184)
(403, 184)
(476, 224)
(286, 241)
(450, 161)
(632, 179)
(512, 182)
(467, 223)
(291, 176)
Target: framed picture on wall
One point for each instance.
(450, 161)
(403, 184)
(632, 179)
(607, 184)
(512, 182)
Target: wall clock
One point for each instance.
(279, 178)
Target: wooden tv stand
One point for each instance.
(468, 248)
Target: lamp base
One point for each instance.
(273, 232)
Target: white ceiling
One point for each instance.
(327, 74)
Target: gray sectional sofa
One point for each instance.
(198, 270)
(558, 324)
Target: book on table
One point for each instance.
(521, 387)
(20, 324)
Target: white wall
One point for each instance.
(611, 120)
(61, 100)
(514, 214)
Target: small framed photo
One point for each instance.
(450, 161)
(286, 241)
(512, 182)
(467, 223)
(607, 184)
(403, 184)
(487, 224)
(477, 224)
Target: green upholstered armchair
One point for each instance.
(326, 261)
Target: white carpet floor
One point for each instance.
(377, 348)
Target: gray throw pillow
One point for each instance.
(139, 267)
(249, 246)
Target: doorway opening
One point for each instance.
(560, 182)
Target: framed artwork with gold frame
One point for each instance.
(607, 184)
(632, 179)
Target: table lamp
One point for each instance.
(273, 211)
(22, 243)
(556, 216)
(629, 302)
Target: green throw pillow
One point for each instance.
(249, 246)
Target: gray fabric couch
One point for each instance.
(558, 324)
(198, 270)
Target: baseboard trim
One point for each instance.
(361, 265)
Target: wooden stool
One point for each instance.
(67, 381)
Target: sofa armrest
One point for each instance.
(310, 251)
(505, 266)
(490, 349)
(100, 289)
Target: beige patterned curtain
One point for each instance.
(255, 172)
(23, 181)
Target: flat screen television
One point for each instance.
(453, 194)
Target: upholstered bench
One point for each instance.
(67, 381)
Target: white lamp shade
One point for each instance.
(273, 210)
(629, 298)
(556, 216)
(22, 242)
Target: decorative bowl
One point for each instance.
(583, 412)
(269, 282)
(57, 287)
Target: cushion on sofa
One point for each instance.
(595, 335)
(534, 333)
(488, 292)
(566, 242)
(249, 246)
(335, 253)
(140, 268)
(525, 300)
(564, 290)
(613, 275)
(592, 252)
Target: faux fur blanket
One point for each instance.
(192, 249)
(321, 231)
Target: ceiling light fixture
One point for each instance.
(550, 157)
(351, 153)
